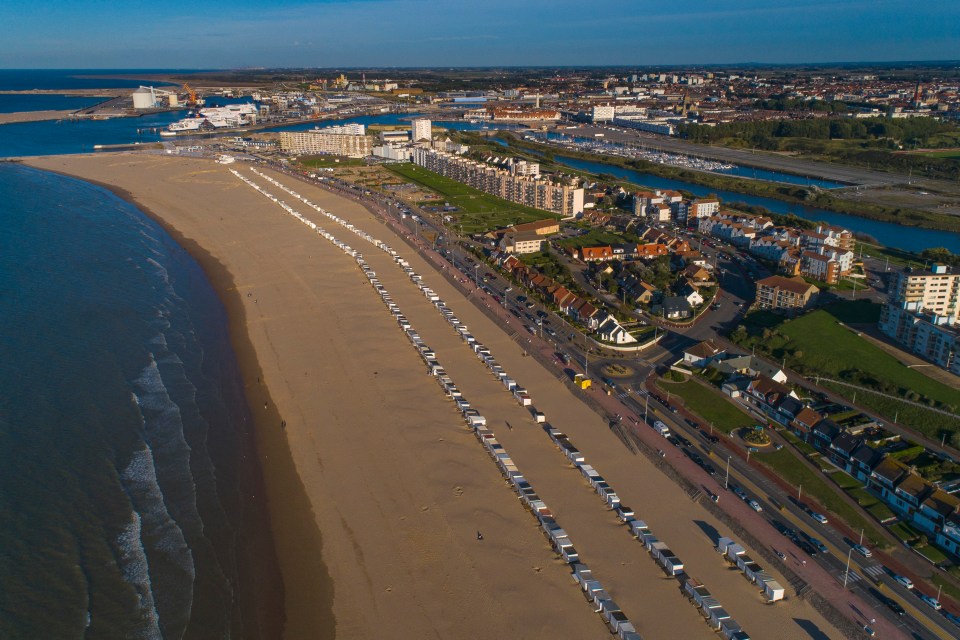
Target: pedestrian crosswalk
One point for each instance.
(850, 579)
(875, 571)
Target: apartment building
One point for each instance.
(321, 141)
(924, 315)
(536, 192)
(936, 291)
(785, 294)
(827, 265)
(702, 208)
(421, 129)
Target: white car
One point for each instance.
(930, 601)
(862, 550)
(907, 582)
(755, 506)
(819, 517)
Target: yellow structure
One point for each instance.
(582, 381)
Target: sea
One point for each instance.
(126, 445)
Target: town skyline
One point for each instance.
(409, 33)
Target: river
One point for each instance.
(914, 239)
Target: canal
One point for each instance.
(914, 239)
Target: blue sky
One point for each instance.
(352, 33)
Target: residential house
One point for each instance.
(596, 254)
(700, 355)
(697, 275)
(863, 461)
(521, 242)
(751, 366)
(885, 476)
(611, 331)
(767, 393)
(804, 422)
(677, 308)
(689, 291)
(651, 250)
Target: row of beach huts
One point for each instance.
(616, 620)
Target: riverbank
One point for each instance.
(787, 193)
(398, 553)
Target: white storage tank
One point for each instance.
(144, 98)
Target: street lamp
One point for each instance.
(726, 482)
(846, 574)
(476, 277)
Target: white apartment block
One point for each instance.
(930, 336)
(321, 141)
(421, 129)
(538, 193)
(350, 129)
(924, 315)
(602, 113)
(936, 291)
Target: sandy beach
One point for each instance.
(375, 488)
(34, 116)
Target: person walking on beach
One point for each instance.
(479, 536)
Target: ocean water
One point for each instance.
(26, 79)
(122, 424)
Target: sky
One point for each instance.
(221, 34)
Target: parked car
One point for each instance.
(819, 517)
(755, 506)
(862, 550)
(906, 582)
(932, 602)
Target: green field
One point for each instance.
(322, 162)
(593, 238)
(950, 153)
(819, 344)
(710, 405)
(476, 211)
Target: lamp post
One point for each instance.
(846, 574)
(861, 537)
(726, 482)
(476, 277)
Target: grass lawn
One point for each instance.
(903, 532)
(794, 471)
(951, 153)
(845, 481)
(881, 512)
(933, 554)
(710, 405)
(320, 162)
(805, 448)
(819, 344)
(593, 238)
(949, 588)
(476, 211)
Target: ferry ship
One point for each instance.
(233, 115)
